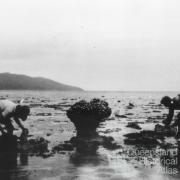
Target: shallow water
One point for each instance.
(100, 163)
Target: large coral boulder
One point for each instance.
(87, 116)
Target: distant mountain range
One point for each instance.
(10, 81)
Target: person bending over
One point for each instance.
(172, 104)
(8, 111)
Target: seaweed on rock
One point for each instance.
(87, 116)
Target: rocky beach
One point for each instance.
(130, 143)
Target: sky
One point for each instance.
(94, 44)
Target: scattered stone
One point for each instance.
(156, 111)
(168, 146)
(151, 103)
(48, 134)
(38, 146)
(133, 125)
(43, 114)
(40, 120)
(57, 121)
(144, 138)
(165, 130)
(107, 131)
(33, 105)
(155, 121)
(120, 116)
(155, 118)
(110, 144)
(63, 147)
(117, 130)
(129, 114)
(147, 112)
(130, 106)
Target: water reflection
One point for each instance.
(9, 157)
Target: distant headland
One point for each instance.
(10, 81)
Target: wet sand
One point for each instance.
(93, 160)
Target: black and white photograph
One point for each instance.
(89, 89)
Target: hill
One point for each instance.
(10, 81)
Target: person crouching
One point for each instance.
(10, 111)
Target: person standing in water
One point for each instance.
(8, 111)
(172, 104)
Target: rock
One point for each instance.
(144, 138)
(120, 116)
(13, 144)
(111, 119)
(87, 116)
(129, 114)
(133, 125)
(130, 106)
(145, 141)
(43, 114)
(165, 130)
(107, 131)
(63, 147)
(33, 105)
(109, 143)
(156, 111)
(37, 147)
(48, 134)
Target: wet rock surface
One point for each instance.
(165, 131)
(120, 116)
(151, 138)
(67, 146)
(38, 147)
(90, 158)
(144, 138)
(134, 125)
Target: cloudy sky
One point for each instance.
(94, 44)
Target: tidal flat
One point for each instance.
(136, 152)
